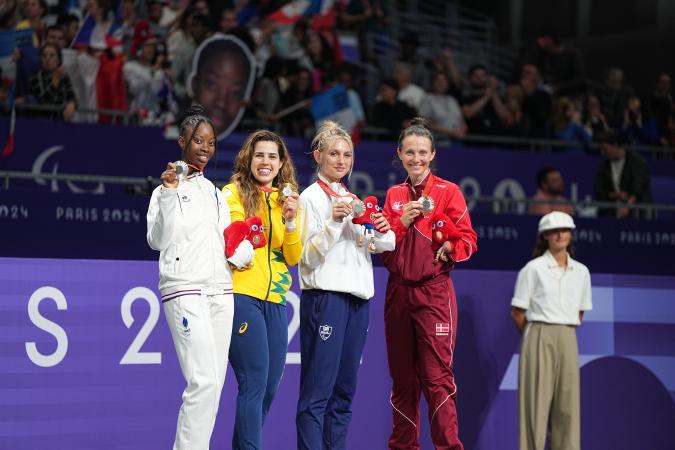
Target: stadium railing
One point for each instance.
(500, 205)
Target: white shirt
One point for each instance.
(331, 257)
(553, 294)
(186, 226)
(412, 95)
(617, 169)
(443, 110)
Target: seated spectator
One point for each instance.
(623, 177)
(661, 103)
(516, 124)
(228, 20)
(299, 122)
(200, 29)
(35, 9)
(614, 97)
(321, 57)
(445, 62)
(54, 35)
(551, 187)
(390, 112)
(443, 112)
(50, 85)
(560, 65)
(154, 16)
(125, 33)
(638, 127)
(180, 36)
(269, 95)
(70, 26)
(567, 125)
(418, 65)
(171, 14)
(143, 74)
(482, 108)
(347, 80)
(537, 103)
(594, 120)
(409, 93)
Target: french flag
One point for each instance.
(333, 104)
(294, 10)
(92, 34)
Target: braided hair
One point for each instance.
(196, 116)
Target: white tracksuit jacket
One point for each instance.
(186, 225)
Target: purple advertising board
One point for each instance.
(87, 362)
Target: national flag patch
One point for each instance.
(442, 328)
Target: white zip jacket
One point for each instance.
(186, 225)
(331, 257)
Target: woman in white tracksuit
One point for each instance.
(186, 221)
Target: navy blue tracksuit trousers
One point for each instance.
(258, 357)
(333, 330)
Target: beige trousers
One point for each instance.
(548, 387)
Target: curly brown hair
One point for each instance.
(247, 185)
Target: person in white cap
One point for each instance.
(552, 293)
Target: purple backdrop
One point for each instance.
(79, 395)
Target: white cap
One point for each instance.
(556, 219)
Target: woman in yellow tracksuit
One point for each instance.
(260, 327)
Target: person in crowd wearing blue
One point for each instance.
(567, 125)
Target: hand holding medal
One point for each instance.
(288, 196)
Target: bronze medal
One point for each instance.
(256, 239)
(427, 204)
(358, 208)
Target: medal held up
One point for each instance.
(286, 190)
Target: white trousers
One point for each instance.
(201, 327)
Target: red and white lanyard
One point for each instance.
(332, 193)
(427, 188)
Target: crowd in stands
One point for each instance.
(548, 97)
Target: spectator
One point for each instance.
(367, 16)
(390, 112)
(594, 120)
(50, 85)
(537, 103)
(482, 108)
(614, 97)
(638, 127)
(443, 112)
(180, 36)
(200, 29)
(125, 33)
(516, 123)
(143, 75)
(418, 65)
(228, 20)
(623, 177)
(154, 16)
(567, 125)
(661, 103)
(347, 80)
(70, 25)
(11, 13)
(560, 65)
(300, 122)
(668, 139)
(265, 38)
(54, 35)
(202, 7)
(551, 187)
(171, 14)
(445, 62)
(409, 93)
(321, 56)
(103, 14)
(35, 9)
(269, 95)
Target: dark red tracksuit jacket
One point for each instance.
(421, 315)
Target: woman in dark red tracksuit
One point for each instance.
(420, 311)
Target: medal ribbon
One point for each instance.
(332, 193)
(427, 188)
(265, 189)
(196, 168)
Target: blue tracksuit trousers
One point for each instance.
(333, 329)
(258, 357)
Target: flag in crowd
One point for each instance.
(294, 10)
(333, 104)
(94, 35)
(9, 146)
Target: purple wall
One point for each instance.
(89, 400)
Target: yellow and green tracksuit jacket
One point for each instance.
(269, 278)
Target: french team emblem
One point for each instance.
(325, 331)
(442, 329)
(186, 330)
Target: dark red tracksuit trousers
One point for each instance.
(420, 324)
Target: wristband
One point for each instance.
(291, 225)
